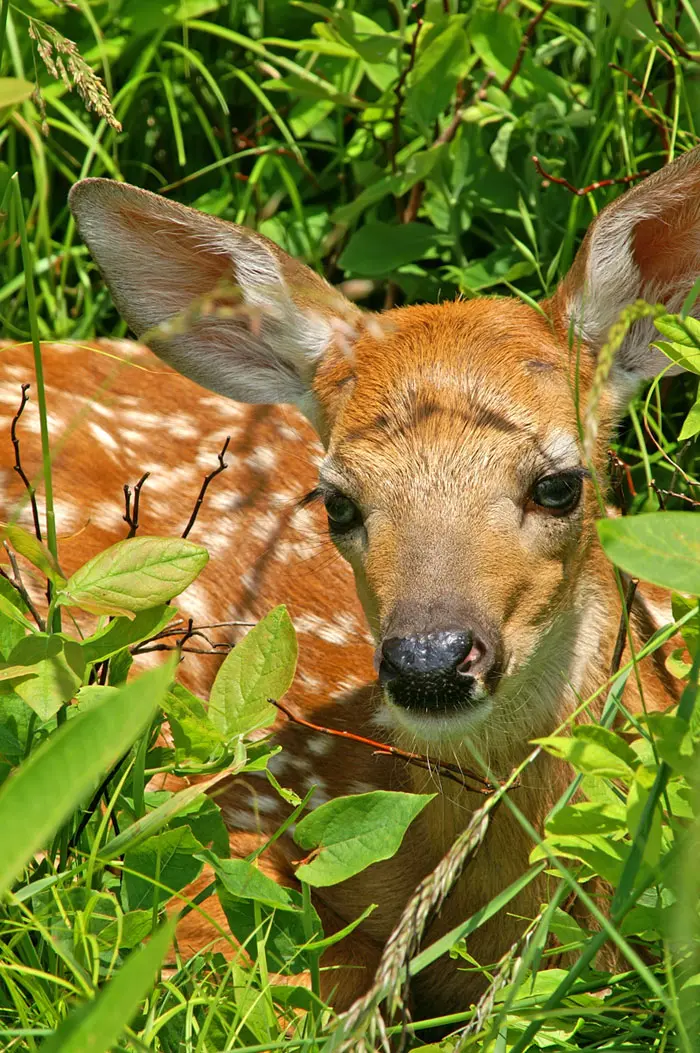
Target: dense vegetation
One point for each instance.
(412, 152)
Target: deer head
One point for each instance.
(454, 478)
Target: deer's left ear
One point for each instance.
(645, 245)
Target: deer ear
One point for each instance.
(220, 303)
(645, 245)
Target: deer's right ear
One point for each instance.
(220, 303)
(645, 245)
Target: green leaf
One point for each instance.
(125, 632)
(636, 802)
(194, 734)
(687, 358)
(589, 753)
(661, 547)
(43, 792)
(33, 550)
(56, 681)
(260, 667)
(168, 859)
(440, 63)
(286, 930)
(245, 881)
(97, 1026)
(348, 834)
(378, 248)
(691, 424)
(681, 331)
(134, 575)
(14, 90)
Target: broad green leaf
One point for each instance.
(348, 834)
(131, 930)
(587, 755)
(125, 632)
(43, 792)
(14, 90)
(686, 357)
(379, 248)
(440, 63)
(51, 668)
(97, 1026)
(194, 734)
(245, 881)
(169, 859)
(661, 547)
(679, 331)
(691, 424)
(134, 575)
(260, 667)
(33, 550)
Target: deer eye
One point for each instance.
(558, 494)
(343, 513)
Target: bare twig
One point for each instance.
(132, 517)
(524, 44)
(18, 463)
(222, 466)
(17, 584)
(449, 771)
(582, 191)
(673, 493)
(671, 38)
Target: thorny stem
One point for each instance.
(18, 462)
(222, 466)
(448, 771)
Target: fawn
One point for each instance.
(455, 486)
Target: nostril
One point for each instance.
(476, 654)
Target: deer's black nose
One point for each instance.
(437, 671)
(437, 652)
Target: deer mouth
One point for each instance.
(434, 694)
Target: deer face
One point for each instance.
(456, 487)
(454, 480)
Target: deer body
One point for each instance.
(456, 487)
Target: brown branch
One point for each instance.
(129, 517)
(671, 38)
(18, 463)
(622, 628)
(448, 771)
(17, 584)
(222, 466)
(524, 44)
(672, 493)
(582, 191)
